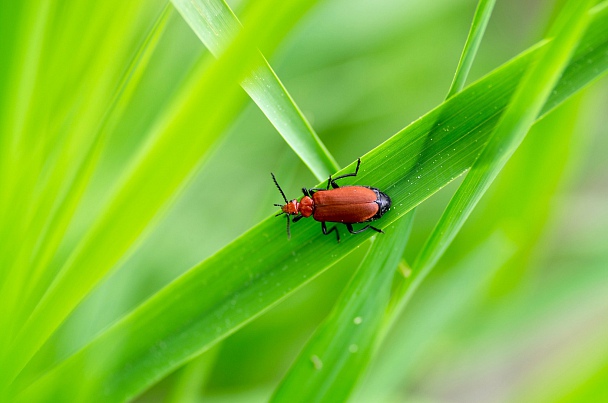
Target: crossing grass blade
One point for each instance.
(343, 345)
(215, 24)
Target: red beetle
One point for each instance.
(347, 205)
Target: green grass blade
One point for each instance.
(57, 207)
(478, 28)
(523, 110)
(170, 157)
(503, 233)
(47, 142)
(191, 379)
(449, 297)
(215, 24)
(253, 273)
(16, 99)
(476, 33)
(338, 353)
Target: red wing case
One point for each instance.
(348, 204)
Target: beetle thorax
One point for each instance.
(306, 206)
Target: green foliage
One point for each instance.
(345, 342)
(136, 242)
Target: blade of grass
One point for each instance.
(170, 158)
(51, 139)
(450, 296)
(247, 277)
(32, 23)
(21, 91)
(192, 378)
(338, 353)
(215, 24)
(47, 145)
(481, 17)
(478, 28)
(523, 110)
(56, 210)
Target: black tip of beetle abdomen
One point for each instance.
(383, 202)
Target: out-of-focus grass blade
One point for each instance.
(47, 135)
(191, 378)
(16, 98)
(247, 277)
(338, 353)
(523, 110)
(215, 24)
(571, 373)
(60, 207)
(449, 296)
(478, 28)
(542, 318)
(180, 141)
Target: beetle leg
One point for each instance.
(334, 229)
(333, 181)
(350, 229)
(297, 218)
(376, 229)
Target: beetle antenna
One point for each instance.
(278, 187)
(288, 232)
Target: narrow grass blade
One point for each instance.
(338, 353)
(523, 110)
(476, 33)
(478, 28)
(450, 297)
(226, 291)
(191, 379)
(215, 24)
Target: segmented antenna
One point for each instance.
(278, 187)
(280, 205)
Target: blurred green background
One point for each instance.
(516, 310)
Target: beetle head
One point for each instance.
(291, 207)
